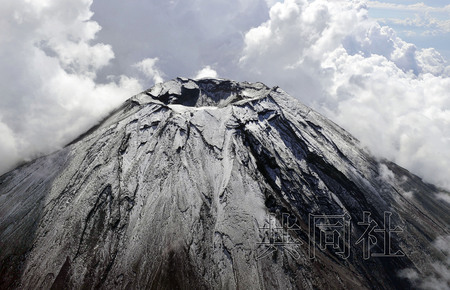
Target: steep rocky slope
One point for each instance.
(215, 184)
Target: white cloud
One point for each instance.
(206, 72)
(48, 77)
(419, 15)
(444, 197)
(417, 7)
(148, 67)
(386, 174)
(7, 145)
(433, 25)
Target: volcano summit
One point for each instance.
(200, 184)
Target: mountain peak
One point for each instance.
(215, 184)
(204, 92)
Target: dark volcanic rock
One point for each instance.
(180, 188)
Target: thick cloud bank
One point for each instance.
(61, 71)
(48, 77)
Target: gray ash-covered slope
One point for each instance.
(174, 190)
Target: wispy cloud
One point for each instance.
(417, 7)
(433, 26)
(438, 272)
(434, 20)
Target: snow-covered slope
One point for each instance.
(214, 184)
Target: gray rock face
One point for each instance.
(213, 184)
